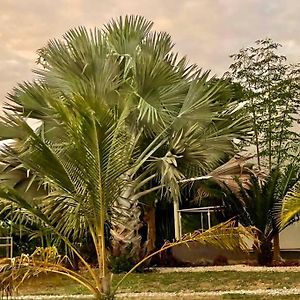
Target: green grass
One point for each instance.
(176, 282)
(209, 281)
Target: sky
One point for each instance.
(207, 31)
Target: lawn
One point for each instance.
(176, 282)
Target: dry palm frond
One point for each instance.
(14, 271)
(225, 235)
(235, 173)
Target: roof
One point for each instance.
(202, 209)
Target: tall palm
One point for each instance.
(100, 97)
(128, 74)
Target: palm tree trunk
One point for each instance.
(264, 254)
(125, 225)
(276, 248)
(126, 239)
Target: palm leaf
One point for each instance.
(291, 205)
(13, 272)
(225, 235)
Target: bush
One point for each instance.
(123, 264)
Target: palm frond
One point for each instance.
(225, 235)
(291, 205)
(125, 34)
(13, 272)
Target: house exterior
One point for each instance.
(290, 238)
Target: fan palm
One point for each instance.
(130, 74)
(100, 98)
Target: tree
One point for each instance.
(261, 206)
(100, 97)
(270, 94)
(191, 118)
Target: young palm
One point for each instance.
(261, 206)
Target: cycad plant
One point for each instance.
(261, 206)
(120, 116)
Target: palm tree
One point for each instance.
(100, 97)
(261, 206)
(131, 74)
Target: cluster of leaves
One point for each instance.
(262, 204)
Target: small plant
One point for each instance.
(121, 264)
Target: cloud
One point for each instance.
(207, 31)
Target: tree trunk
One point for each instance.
(149, 218)
(126, 239)
(264, 254)
(276, 246)
(103, 278)
(125, 225)
(106, 283)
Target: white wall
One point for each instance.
(290, 237)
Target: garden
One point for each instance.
(121, 153)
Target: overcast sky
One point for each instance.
(207, 31)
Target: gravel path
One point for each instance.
(180, 295)
(273, 292)
(237, 268)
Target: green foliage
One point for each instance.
(121, 264)
(261, 206)
(291, 205)
(100, 96)
(270, 93)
